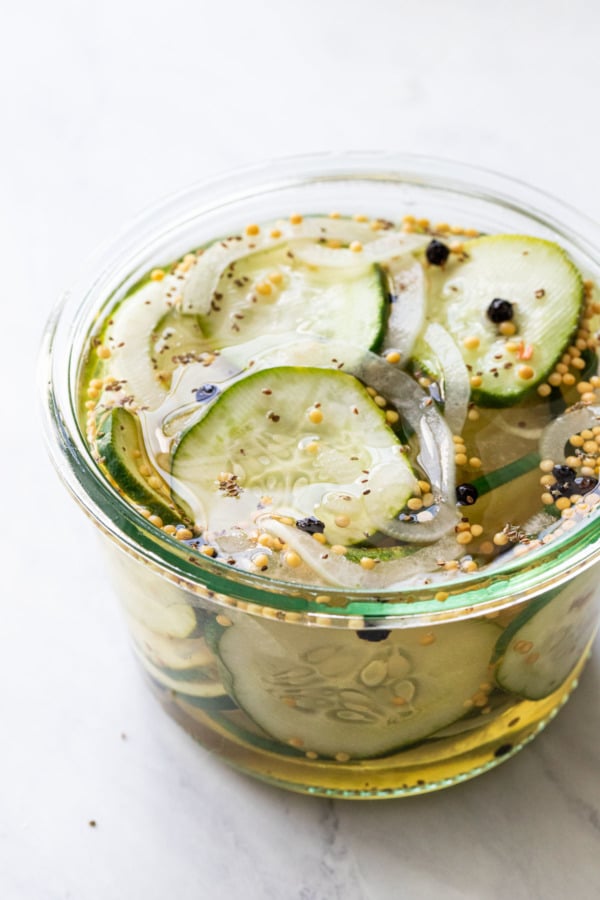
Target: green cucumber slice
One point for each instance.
(263, 431)
(334, 693)
(542, 646)
(122, 453)
(348, 305)
(546, 291)
(201, 682)
(152, 601)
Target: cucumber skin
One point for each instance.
(515, 626)
(122, 475)
(384, 286)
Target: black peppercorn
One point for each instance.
(466, 494)
(206, 392)
(437, 252)
(311, 525)
(373, 635)
(500, 311)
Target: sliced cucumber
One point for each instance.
(123, 454)
(176, 654)
(544, 290)
(348, 305)
(333, 693)
(308, 439)
(542, 646)
(201, 682)
(151, 600)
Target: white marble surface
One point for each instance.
(105, 107)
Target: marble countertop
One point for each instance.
(105, 108)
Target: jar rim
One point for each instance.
(483, 592)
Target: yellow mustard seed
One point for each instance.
(275, 277)
(380, 401)
(569, 379)
(476, 530)
(296, 219)
(93, 393)
(103, 352)
(471, 342)
(409, 220)
(427, 499)
(441, 227)
(590, 447)
(584, 386)
(89, 404)
(470, 566)
(500, 539)
(97, 383)
(359, 217)
(264, 288)
(310, 754)
(475, 462)
(460, 459)
(342, 521)
(156, 520)
(589, 397)
(424, 486)
(368, 562)
(342, 757)
(184, 534)
(547, 465)
(252, 230)
(476, 381)
(507, 329)
(473, 415)
(578, 363)
(392, 356)
(291, 559)
(334, 244)
(547, 499)
(157, 275)
(316, 416)
(441, 596)
(486, 547)
(169, 529)
(391, 416)
(312, 447)
(427, 639)
(334, 215)
(563, 503)
(415, 503)
(319, 537)
(207, 550)
(356, 246)
(544, 390)
(464, 537)
(576, 440)
(260, 561)
(265, 540)
(525, 372)
(560, 367)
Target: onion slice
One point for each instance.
(407, 308)
(341, 572)
(203, 278)
(557, 433)
(436, 448)
(455, 376)
(392, 245)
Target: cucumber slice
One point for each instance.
(542, 646)
(545, 291)
(348, 305)
(176, 654)
(151, 600)
(337, 694)
(201, 682)
(123, 454)
(306, 439)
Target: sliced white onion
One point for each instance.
(203, 278)
(408, 305)
(436, 447)
(338, 571)
(392, 245)
(557, 433)
(456, 383)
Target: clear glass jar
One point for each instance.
(322, 690)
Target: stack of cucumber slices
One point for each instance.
(309, 380)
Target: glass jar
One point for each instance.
(324, 690)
